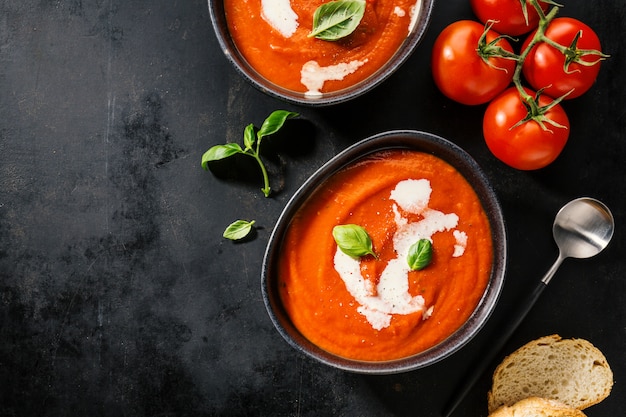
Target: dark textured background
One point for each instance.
(118, 296)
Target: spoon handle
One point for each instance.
(488, 357)
(548, 276)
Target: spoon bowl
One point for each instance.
(583, 228)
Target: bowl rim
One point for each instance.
(395, 139)
(230, 50)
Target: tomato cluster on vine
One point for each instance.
(522, 61)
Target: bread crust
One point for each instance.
(571, 371)
(537, 407)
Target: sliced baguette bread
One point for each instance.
(537, 407)
(571, 371)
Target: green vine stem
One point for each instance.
(540, 36)
(266, 179)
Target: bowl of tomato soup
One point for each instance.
(374, 312)
(269, 44)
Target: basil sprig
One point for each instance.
(337, 19)
(252, 144)
(353, 240)
(420, 254)
(238, 229)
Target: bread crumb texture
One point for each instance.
(537, 407)
(570, 371)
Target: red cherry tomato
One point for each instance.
(460, 72)
(508, 15)
(527, 146)
(544, 65)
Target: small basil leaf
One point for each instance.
(238, 229)
(337, 19)
(353, 240)
(218, 152)
(248, 136)
(274, 122)
(420, 254)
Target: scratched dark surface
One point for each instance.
(118, 296)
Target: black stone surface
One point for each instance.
(118, 296)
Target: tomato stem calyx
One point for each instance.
(537, 113)
(486, 51)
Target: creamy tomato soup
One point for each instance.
(377, 309)
(273, 37)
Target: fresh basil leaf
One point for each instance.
(353, 240)
(420, 254)
(218, 152)
(274, 122)
(248, 136)
(271, 125)
(337, 19)
(238, 229)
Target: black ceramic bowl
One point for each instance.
(414, 140)
(218, 19)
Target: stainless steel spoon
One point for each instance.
(581, 229)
